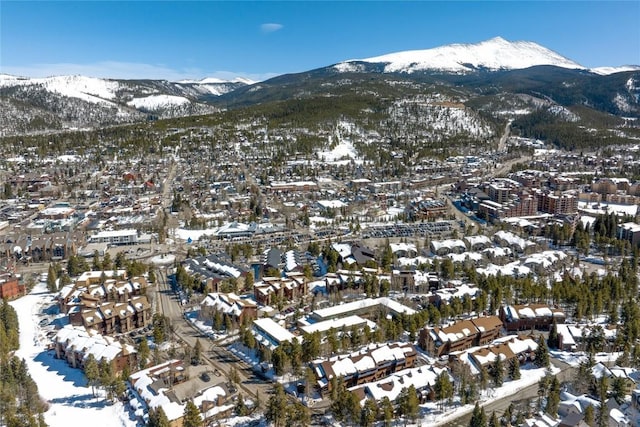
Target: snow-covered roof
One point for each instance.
(142, 381)
(514, 269)
(79, 339)
(391, 386)
(545, 259)
(512, 239)
(402, 247)
(448, 244)
(478, 240)
(271, 333)
(337, 324)
(343, 309)
(331, 204)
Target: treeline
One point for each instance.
(548, 126)
(20, 404)
(9, 336)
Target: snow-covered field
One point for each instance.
(153, 102)
(64, 388)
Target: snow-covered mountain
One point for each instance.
(40, 104)
(605, 71)
(493, 54)
(97, 90)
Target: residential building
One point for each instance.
(230, 304)
(75, 343)
(559, 204)
(270, 334)
(284, 290)
(363, 308)
(530, 316)
(10, 287)
(460, 335)
(630, 231)
(211, 270)
(422, 378)
(372, 363)
(116, 237)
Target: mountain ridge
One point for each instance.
(484, 84)
(493, 54)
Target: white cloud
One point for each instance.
(127, 70)
(270, 27)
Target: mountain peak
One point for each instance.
(493, 54)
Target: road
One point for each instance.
(502, 144)
(217, 356)
(520, 399)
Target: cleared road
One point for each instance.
(217, 356)
(520, 399)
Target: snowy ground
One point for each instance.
(63, 387)
(576, 358)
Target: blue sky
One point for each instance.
(176, 40)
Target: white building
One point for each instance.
(116, 237)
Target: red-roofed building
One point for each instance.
(10, 287)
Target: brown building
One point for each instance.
(230, 304)
(74, 344)
(507, 348)
(530, 316)
(115, 306)
(109, 318)
(282, 289)
(10, 287)
(461, 335)
(372, 363)
(557, 203)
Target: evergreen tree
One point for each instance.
(279, 360)
(234, 376)
(387, 257)
(276, 411)
(92, 372)
(542, 353)
(619, 389)
(443, 388)
(553, 398)
(478, 417)
(497, 371)
(191, 416)
(369, 413)
(386, 407)
(143, 353)
(157, 418)
(240, 408)
(543, 387)
(493, 421)
(311, 346)
(589, 416)
(602, 389)
(554, 339)
(297, 415)
(106, 379)
(197, 353)
(408, 403)
(52, 278)
(514, 371)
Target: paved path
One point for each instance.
(217, 356)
